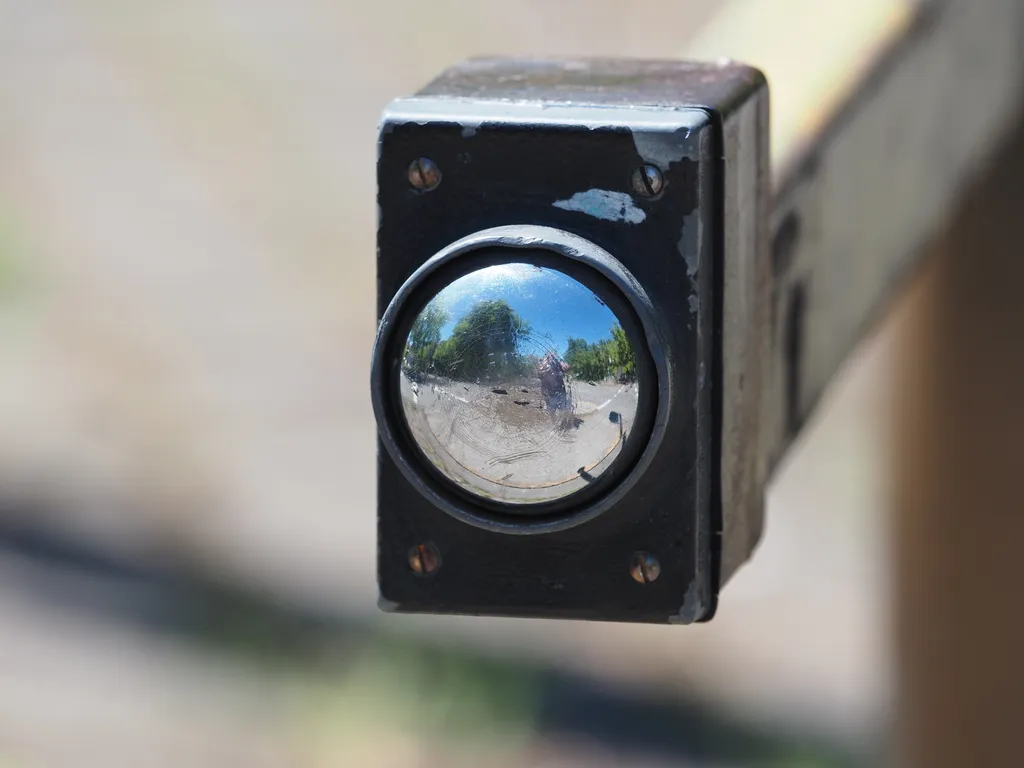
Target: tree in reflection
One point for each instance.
(622, 355)
(424, 337)
(589, 361)
(598, 360)
(484, 344)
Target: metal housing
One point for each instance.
(552, 145)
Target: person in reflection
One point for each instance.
(551, 372)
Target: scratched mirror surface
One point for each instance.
(518, 383)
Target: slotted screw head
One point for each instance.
(424, 559)
(644, 568)
(647, 181)
(424, 174)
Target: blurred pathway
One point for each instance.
(186, 282)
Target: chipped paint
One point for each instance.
(388, 606)
(662, 148)
(604, 204)
(693, 606)
(689, 244)
(693, 303)
(468, 131)
(476, 112)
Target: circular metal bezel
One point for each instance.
(578, 258)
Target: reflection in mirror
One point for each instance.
(519, 383)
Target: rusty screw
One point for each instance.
(644, 568)
(424, 174)
(424, 559)
(647, 181)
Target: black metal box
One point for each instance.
(558, 145)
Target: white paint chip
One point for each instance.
(604, 204)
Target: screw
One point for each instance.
(647, 181)
(424, 174)
(424, 559)
(644, 568)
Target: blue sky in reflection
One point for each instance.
(555, 305)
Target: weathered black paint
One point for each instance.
(511, 172)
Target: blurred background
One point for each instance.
(187, 525)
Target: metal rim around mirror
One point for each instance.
(518, 379)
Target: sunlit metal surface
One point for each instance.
(519, 384)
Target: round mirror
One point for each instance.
(519, 384)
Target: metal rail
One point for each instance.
(856, 201)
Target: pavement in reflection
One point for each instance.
(505, 439)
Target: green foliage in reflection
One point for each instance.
(590, 362)
(623, 357)
(599, 360)
(484, 344)
(424, 337)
